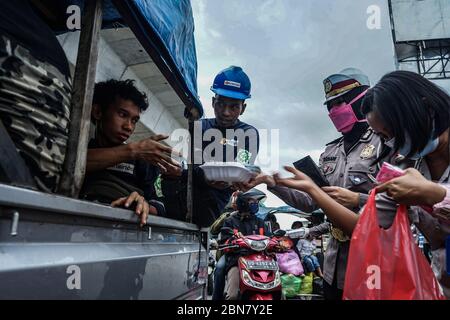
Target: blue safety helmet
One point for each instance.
(233, 83)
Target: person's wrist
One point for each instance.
(356, 199)
(132, 149)
(434, 193)
(269, 181)
(313, 189)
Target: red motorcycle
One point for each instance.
(259, 277)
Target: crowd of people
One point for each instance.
(403, 119)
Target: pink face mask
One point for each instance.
(343, 117)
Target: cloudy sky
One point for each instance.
(288, 47)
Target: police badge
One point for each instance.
(367, 152)
(327, 85)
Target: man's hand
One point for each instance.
(143, 209)
(343, 196)
(173, 172)
(413, 189)
(220, 185)
(158, 154)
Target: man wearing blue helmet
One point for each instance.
(237, 140)
(232, 88)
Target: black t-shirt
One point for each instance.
(20, 22)
(244, 151)
(136, 173)
(209, 202)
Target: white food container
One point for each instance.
(226, 171)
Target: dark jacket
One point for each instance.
(245, 225)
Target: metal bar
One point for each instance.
(430, 68)
(83, 90)
(445, 66)
(14, 223)
(441, 58)
(23, 198)
(424, 59)
(100, 253)
(190, 180)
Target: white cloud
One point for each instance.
(271, 12)
(215, 33)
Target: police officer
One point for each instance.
(348, 165)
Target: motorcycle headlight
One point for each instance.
(258, 245)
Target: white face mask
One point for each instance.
(431, 146)
(390, 143)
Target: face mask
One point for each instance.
(343, 117)
(253, 207)
(431, 146)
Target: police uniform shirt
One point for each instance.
(354, 171)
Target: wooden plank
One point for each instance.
(12, 166)
(83, 90)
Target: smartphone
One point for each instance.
(309, 167)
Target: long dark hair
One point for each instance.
(409, 105)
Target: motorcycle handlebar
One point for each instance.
(228, 246)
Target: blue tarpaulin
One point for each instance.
(174, 23)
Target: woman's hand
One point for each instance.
(299, 181)
(413, 189)
(340, 216)
(143, 209)
(347, 198)
(255, 181)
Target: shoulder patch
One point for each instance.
(329, 167)
(335, 141)
(367, 136)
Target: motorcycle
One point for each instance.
(259, 275)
